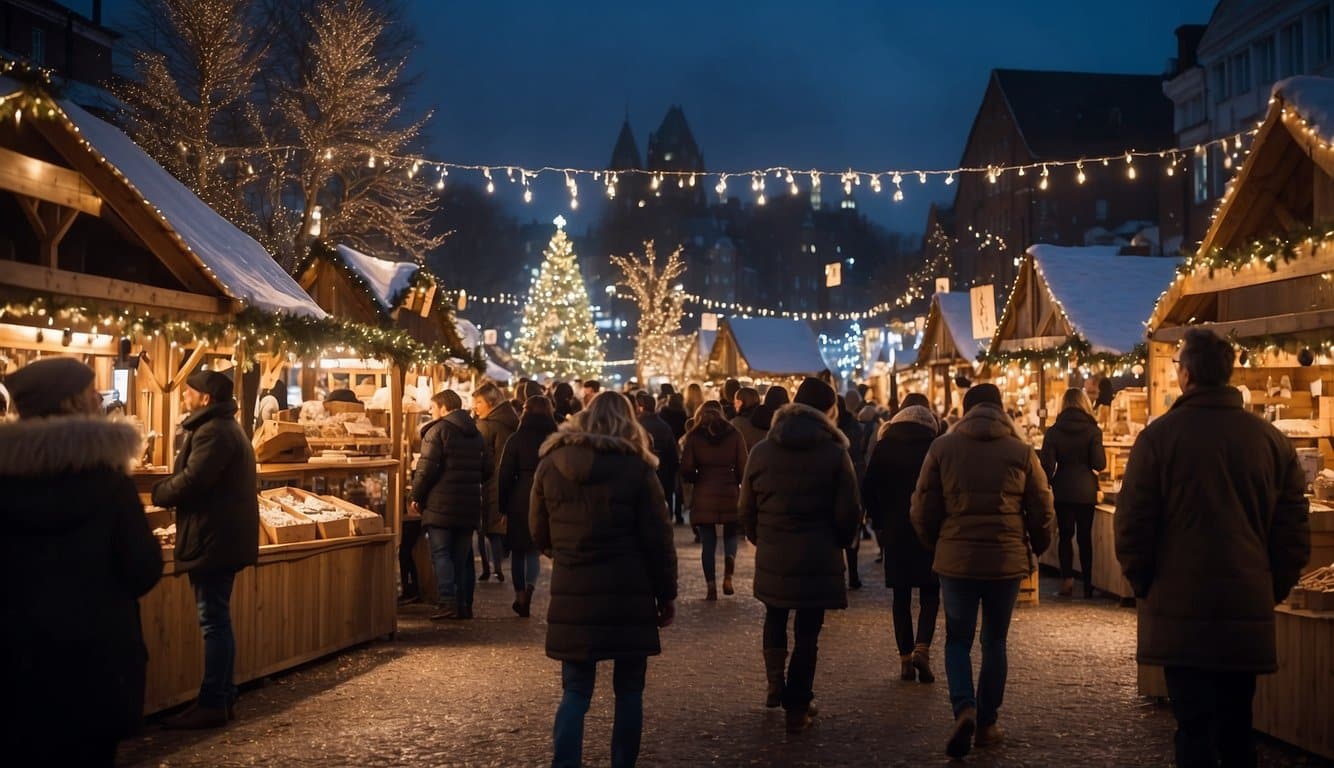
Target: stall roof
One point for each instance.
(956, 311)
(239, 265)
(387, 280)
(775, 346)
(472, 338)
(1105, 296)
(1311, 97)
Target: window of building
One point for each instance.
(1218, 79)
(38, 53)
(1241, 73)
(1200, 170)
(1100, 210)
(1290, 50)
(1264, 61)
(1320, 38)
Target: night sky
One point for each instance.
(828, 84)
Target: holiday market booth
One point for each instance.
(948, 351)
(106, 257)
(1264, 278)
(766, 351)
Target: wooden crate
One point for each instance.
(332, 529)
(1028, 589)
(288, 534)
(361, 524)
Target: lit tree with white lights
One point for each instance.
(558, 336)
(659, 348)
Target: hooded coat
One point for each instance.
(891, 477)
(1212, 531)
(451, 471)
(598, 509)
(78, 553)
(744, 423)
(714, 461)
(213, 491)
(518, 465)
(800, 509)
(1072, 455)
(496, 429)
(982, 503)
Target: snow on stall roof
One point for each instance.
(956, 309)
(1313, 98)
(774, 345)
(386, 279)
(468, 333)
(1106, 297)
(241, 266)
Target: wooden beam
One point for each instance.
(1274, 325)
(1033, 344)
(1284, 216)
(1224, 223)
(25, 337)
(30, 177)
(58, 281)
(188, 367)
(1305, 265)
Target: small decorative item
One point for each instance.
(1306, 357)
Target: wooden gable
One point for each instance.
(1032, 320)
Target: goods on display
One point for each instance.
(1315, 590)
(313, 507)
(166, 536)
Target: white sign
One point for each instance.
(708, 321)
(942, 285)
(833, 274)
(920, 322)
(983, 299)
(489, 336)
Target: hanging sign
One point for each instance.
(942, 285)
(708, 321)
(428, 301)
(833, 274)
(983, 299)
(489, 337)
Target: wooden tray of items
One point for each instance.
(364, 521)
(301, 529)
(332, 526)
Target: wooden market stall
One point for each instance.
(105, 256)
(948, 350)
(765, 350)
(1262, 277)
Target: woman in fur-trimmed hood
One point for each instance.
(78, 554)
(598, 511)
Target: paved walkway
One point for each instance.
(482, 693)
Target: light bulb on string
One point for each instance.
(949, 178)
(1042, 183)
(921, 177)
(1079, 173)
(370, 163)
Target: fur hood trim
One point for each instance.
(796, 423)
(569, 437)
(58, 444)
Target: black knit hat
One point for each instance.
(38, 389)
(218, 386)
(816, 394)
(982, 393)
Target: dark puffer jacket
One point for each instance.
(496, 429)
(1212, 530)
(891, 477)
(74, 531)
(664, 448)
(714, 461)
(214, 493)
(1072, 454)
(982, 503)
(598, 509)
(450, 473)
(518, 465)
(800, 508)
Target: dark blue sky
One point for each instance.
(826, 84)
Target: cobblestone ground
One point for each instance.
(482, 693)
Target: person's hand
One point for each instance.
(416, 509)
(666, 612)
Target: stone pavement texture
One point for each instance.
(482, 693)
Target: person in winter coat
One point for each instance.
(496, 420)
(891, 478)
(447, 493)
(217, 531)
(518, 464)
(71, 509)
(982, 505)
(746, 401)
(1212, 531)
(598, 509)
(693, 400)
(1072, 455)
(730, 388)
(562, 396)
(713, 461)
(775, 397)
(852, 430)
(800, 509)
(664, 443)
(675, 414)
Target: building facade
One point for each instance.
(56, 37)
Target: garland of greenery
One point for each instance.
(1075, 347)
(1271, 249)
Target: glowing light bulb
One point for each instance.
(1080, 177)
(795, 189)
(370, 163)
(949, 178)
(898, 195)
(490, 186)
(528, 195)
(760, 200)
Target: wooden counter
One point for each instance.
(1107, 576)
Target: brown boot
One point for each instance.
(1067, 588)
(197, 718)
(798, 720)
(989, 735)
(775, 661)
(729, 567)
(713, 590)
(906, 669)
(961, 738)
(447, 608)
(921, 661)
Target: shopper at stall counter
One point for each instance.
(217, 532)
(74, 526)
(1211, 532)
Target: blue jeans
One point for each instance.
(961, 598)
(524, 568)
(491, 548)
(708, 538)
(577, 678)
(455, 571)
(213, 598)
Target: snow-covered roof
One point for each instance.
(1106, 297)
(1312, 98)
(386, 279)
(471, 337)
(772, 345)
(239, 265)
(956, 309)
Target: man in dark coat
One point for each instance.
(72, 518)
(1211, 532)
(665, 445)
(496, 420)
(447, 491)
(800, 508)
(217, 530)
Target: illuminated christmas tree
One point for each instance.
(558, 337)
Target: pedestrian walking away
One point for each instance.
(800, 508)
(665, 446)
(518, 465)
(1212, 531)
(982, 505)
(496, 420)
(713, 462)
(599, 511)
(1072, 456)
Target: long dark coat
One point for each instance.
(676, 419)
(77, 555)
(496, 429)
(598, 508)
(214, 492)
(1211, 530)
(800, 508)
(664, 448)
(715, 463)
(891, 477)
(518, 465)
(1071, 454)
(453, 466)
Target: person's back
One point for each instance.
(450, 473)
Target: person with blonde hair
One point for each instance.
(1072, 455)
(694, 398)
(599, 513)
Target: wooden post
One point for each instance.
(395, 499)
(242, 381)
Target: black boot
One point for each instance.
(729, 567)
(775, 663)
